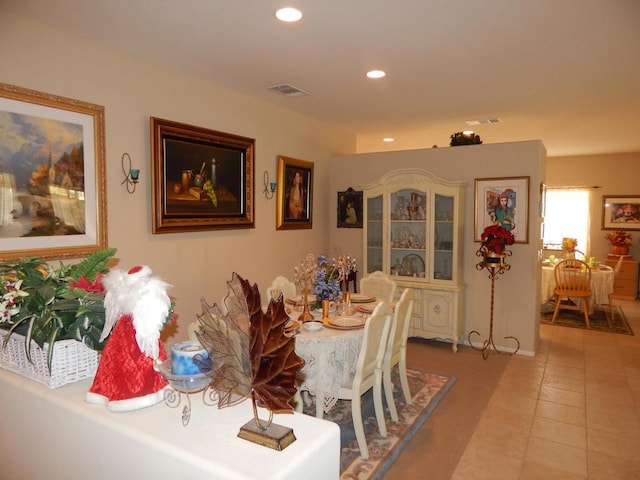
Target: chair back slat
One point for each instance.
(573, 278)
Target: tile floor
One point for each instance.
(570, 412)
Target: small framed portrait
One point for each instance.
(505, 202)
(621, 212)
(295, 194)
(350, 209)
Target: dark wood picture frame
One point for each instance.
(54, 195)
(185, 162)
(621, 212)
(350, 208)
(295, 209)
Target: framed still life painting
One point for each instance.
(295, 194)
(502, 201)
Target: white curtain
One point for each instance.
(567, 215)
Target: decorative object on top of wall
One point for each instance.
(201, 179)
(505, 202)
(465, 138)
(131, 175)
(350, 209)
(53, 187)
(621, 212)
(295, 195)
(269, 187)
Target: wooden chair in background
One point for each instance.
(572, 281)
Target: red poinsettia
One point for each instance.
(495, 238)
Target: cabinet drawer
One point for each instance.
(627, 271)
(624, 287)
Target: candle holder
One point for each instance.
(495, 264)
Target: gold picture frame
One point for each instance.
(295, 194)
(186, 162)
(621, 212)
(53, 177)
(513, 215)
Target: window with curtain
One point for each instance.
(566, 215)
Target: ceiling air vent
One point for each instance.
(484, 120)
(288, 90)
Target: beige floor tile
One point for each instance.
(605, 467)
(559, 432)
(561, 413)
(564, 397)
(617, 446)
(555, 455)
(566, 372)
(499, 439)
(499, 415)
(563, 383)
(514, 402)
(622, 421)
(537, 471)
(482, 464)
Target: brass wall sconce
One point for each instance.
(269, 187)
(131, 175)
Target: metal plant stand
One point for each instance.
(495, 265)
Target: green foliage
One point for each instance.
(46, 304)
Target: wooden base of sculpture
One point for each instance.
(275, 436)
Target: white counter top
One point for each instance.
(54, 433)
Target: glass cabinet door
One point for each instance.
(374, 234)
(443, 225)
(408, 233)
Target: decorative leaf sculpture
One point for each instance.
(249, 348)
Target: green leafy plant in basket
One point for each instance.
(47, 304)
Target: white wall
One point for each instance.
(516, 310)
(131, 90)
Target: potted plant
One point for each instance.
(495, 239)
(47, 304)
(619, 242)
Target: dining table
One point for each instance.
(330, 348)
(602, 277)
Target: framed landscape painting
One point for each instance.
(502, 201)
(52, 175)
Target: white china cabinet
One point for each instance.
(412, 232)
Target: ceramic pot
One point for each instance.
(619, 250)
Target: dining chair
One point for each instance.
(379, 285)
(396, 352)
(572, 281)
(284, 285)
(616, 271)
(368, 373)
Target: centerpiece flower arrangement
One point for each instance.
(619, 238)
(569, 244)
(47, 304)
(495, 239)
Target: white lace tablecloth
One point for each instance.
(330, 358)
(601, 285)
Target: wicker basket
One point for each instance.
(72, 360)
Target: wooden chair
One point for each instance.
(396, 353)
(573, 281)
(287, 287)
(379, 285)
(368, 373)
(616, 271)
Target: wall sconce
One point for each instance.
(131, 175)
(269, 187)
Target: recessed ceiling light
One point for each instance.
(388, 139)
(376, 74)
(288, 14)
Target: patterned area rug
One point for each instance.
(597, 320)
(427, 388)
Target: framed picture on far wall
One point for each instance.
(53, 186)
(295, 194)
(350, 209)
(502, 201)
(621, 212)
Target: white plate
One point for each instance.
(298, 299)
(347, 322)
(360, 298)
(312, 326)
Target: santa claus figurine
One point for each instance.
(138, 305)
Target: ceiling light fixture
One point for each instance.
(388, 139)
(376, 74)
(288, 14)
